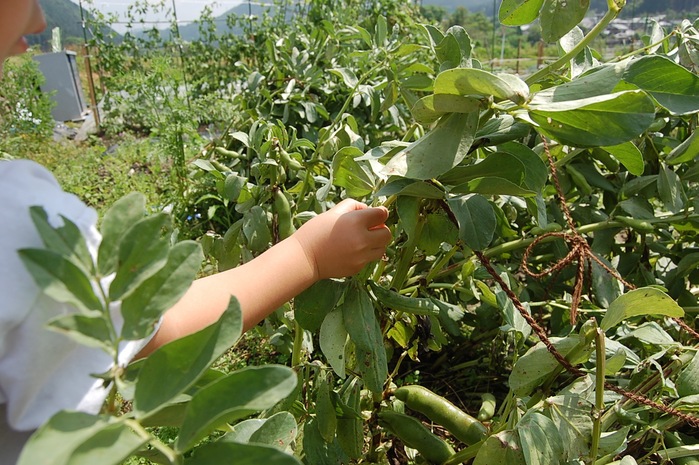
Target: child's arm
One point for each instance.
(334, 244)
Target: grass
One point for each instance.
(100, 171)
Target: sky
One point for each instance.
(187, 10)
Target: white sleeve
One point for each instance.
(41, 372)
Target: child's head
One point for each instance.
(18, 18)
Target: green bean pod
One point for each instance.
(416, 435)
(636, 224)
(579, 180)
(487, 409)
(284, 219)
(438, 409)
(414, 305)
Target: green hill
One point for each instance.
(59, 13)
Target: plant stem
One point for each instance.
(298, 345)
(594, 32)
(173, 457)
(406, 258)
(599, 394)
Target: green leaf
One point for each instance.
(438, 229)
(60, 279)
(519, 12)
(87, 330)
(411, 188)
(595, 121)
(319, 452)
(429, 109)
(687, 151)
(628, 155)
(312, 305)
(233, 186)
(278, 431)
(560, 16)
(477, 82)
(144, 306)
(687, 383)
(325, 410)
(364, 330)
(232, 397)
(496, 165)
(78, 438)
(643, 301)
(333, 339)
(438, 151)
(537, 363)
(477, 220)
(117, 220)
(66, 240)
(350, 174)
(501, 448)
(216, 453)
(348, 76)
(595, 82)
(670, 190)
(541, 442)
(688, 263)
(142, 253)
(183, 361)
(503, 128)
(571, 418)
(256, 229)
(671, 85)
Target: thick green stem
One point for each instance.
(298, 345)
(406, 258)
(599, 395)
(594, 32)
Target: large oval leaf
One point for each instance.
(643, 301)
(477, 82)
(80, 438)
(217, 453)
(333, 339)
(232, 397)
(364, 330)
(501, 448)
(596, 121)
(519, 12)
(439, 150)
(560, 16)
(673, 86)
(183, 361)
(477, 220)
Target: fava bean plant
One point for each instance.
(537, 304)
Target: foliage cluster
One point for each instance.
(25, 111)
(357, 99)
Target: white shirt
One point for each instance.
(41, 372)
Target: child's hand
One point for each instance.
(342, 240)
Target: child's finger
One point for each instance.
(373, 217)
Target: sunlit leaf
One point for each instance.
(233, 397)
(157, 294)
(540, 438)
(60, 278)
(333, 339)
(503, 447)
(78, 438)
(123, 214)
(557, 17)
(595, 121)
(184, 360)
(671, 85)
(480, 83)
(245, 454)
(438, 151)
(628, 155)
(643, 301)
(519, 12)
